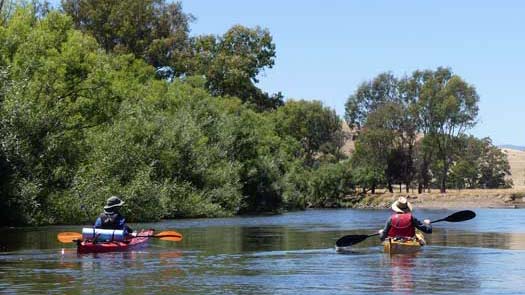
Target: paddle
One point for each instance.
(173, 236)
(354, 239)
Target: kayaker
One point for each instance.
(111, 217)
(402, 224)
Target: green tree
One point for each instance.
(446, 107)
(480, 165)
(369, 96)
(154, 30)
(329, 183)
(381, 111)
(316, 127)
(232, 62)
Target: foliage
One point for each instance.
(316, 127)
(153, 29)
(389, 113)
(232, 62)
(329, 183)
(480, 165)
(79, 124)
(158, 32)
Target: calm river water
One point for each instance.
(291, 253)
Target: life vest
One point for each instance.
(110, 220)
(401, 226)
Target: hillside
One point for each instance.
(517, 166)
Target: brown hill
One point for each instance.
(517, 166)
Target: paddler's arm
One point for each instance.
(424, 226)
(122, 225)
(384, 232)
(98, 223)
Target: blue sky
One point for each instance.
(325, 49)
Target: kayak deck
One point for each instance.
(393, 246)
(114, 246)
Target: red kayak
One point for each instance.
(114, 246)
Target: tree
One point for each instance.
(446, 107)
(329, 183)
(158, 32)
(150, 29)
(232, 62)
(369, 96)
(495, 167)
(316, 127)
(479, 165)
(381, 111)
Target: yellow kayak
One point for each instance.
(397, 246)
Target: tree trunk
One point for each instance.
(443, 185)
(443, 188)
(419, 188)
(390, 188)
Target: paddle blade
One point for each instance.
(350, 240)
(461, 216)
(69, 237)
(169, 235)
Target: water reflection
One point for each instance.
(287, 254)
(401, 268)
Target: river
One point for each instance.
(291, 253)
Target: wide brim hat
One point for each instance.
(113, 202)
(402, 205)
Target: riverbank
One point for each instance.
(456, 199)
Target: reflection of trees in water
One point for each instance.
(511, 241)
(430, 271)
(19, 239)
(230, 240)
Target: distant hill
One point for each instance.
(512, 147)
(517, 166)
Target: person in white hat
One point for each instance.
(111, 217)
(402, 224)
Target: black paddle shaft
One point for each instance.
(458, 216)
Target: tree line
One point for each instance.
(412, 132)
(102, 98)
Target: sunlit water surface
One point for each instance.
(291, 253)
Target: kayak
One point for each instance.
(89, 246)
(404, 246)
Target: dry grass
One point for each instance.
(517, 167)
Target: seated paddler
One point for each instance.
(111, 217)
(402, 223)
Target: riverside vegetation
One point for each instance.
(115, 97)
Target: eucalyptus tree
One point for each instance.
(232, 62)
(381, 110)
(446, 106)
